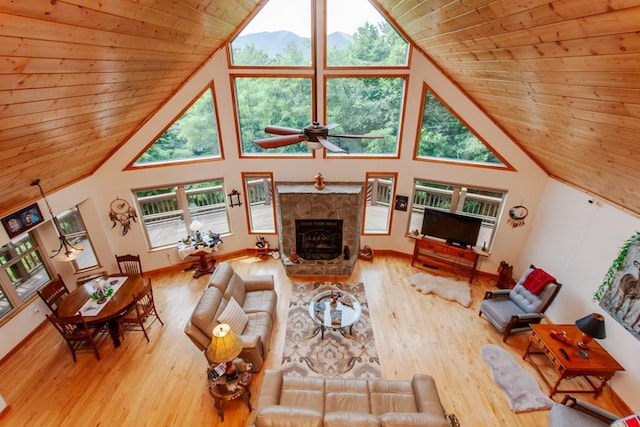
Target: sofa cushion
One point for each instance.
(288, 416)
(412, 419)
(303, 392)
(259, 324)
(234, 317)
(236, 289)
(343, 394)
(204, 316)
(350, 418)
(391, 396)
(260, 301)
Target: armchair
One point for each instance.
(574, 412)
(511, 311)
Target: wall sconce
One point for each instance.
(234, 198)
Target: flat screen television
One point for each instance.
(458, 230)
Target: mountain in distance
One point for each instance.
(276, 42)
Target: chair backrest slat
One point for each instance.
(129, 265)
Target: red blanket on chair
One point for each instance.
(537, 280)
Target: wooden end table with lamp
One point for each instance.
(228, 376)
(572, 354)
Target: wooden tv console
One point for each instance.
(435, 254)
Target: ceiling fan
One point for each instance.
(315, 136)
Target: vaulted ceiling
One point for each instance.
(78, 77)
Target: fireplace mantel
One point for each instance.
(335, 201)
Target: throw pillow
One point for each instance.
(234, 316)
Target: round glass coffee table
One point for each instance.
(334, 310)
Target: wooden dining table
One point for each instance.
(113, 310)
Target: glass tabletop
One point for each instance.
(335, 309)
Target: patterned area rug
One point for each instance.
(342, 353)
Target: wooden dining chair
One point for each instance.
(129, 264)
(53, 293)
(87, 278)
(143, 312)
(78, 335)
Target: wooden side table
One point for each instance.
(595, 363)
(263, 251)
(204, 266)
(223, 390)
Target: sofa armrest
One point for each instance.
(270, 388)
(500, 293)
(589, 409)
(426, 394)
(197, 337)
(262, 282)
(529, 316)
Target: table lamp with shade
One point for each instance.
(591, 326)
(196, 226)
(225, 346)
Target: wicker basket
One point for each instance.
(366, 253)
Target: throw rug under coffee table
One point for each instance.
(343, 352)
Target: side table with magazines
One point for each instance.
(229, 384)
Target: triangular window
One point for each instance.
(444, 136)
(193, 135)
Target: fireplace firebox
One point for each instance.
(319, 239)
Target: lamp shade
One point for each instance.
(196, 226)
(225, 345)
(592, 325)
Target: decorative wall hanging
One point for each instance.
(23, 220)
(619, 293)
(517, 214)
(402, 202)
(123, 213)
(234, 198)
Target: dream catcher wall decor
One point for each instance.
(123, 213)
(517, 214)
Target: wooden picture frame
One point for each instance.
(22, 220)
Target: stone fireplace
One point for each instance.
(319, 238)
(318, 225)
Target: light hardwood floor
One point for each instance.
(162, 383)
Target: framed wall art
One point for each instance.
(23, 220)
(402, 202)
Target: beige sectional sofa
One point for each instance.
(258, 300)
(291, 401)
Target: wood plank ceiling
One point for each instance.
(78, 77)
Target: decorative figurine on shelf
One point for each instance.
(318, 181)
(292, 256)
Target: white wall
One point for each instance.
(576, 242)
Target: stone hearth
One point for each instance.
(335, 201)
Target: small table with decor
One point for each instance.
(79, 300)
(225, 386)
(558, 344)
(335, 310)
(200, 249)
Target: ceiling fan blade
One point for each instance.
(330, 146)
(357, 136)
(332, 126)
(279, 141)
(281, 130)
